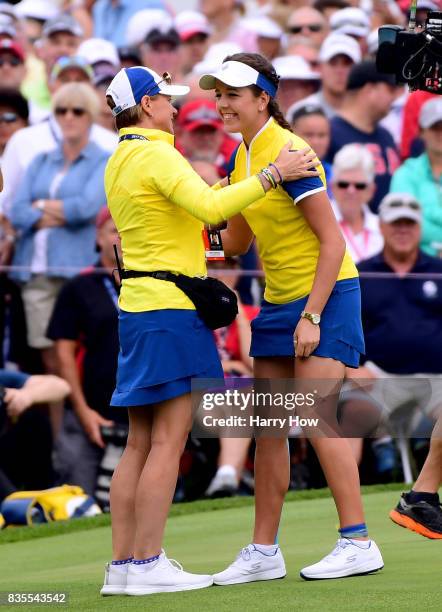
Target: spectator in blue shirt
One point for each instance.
(111, 17)
(368, 99)
(54, 212)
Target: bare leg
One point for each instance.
(170, 426)
(233, 451)
(430, 478)
(125, 480)
(334, 453)
(272, 466)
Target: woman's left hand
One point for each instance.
(306, 338)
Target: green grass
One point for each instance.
(206, 541)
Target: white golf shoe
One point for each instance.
(349, 558)
(252, 565)
(115, 577)
(166, 576)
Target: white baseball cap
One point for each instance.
(263, 26)
(296, 68)
(143, 22)
(431, 113)
(189, 23)
(396, 206)
(131, 84)
(215, 56)
(340, 44)
(37, 9)
(99, 50)
(237, 74)
(353, 21)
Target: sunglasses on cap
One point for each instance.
(167, 78)
(347, 184)
(12, 61)
(401, 204)
(61, 111)
(8, 117)
(312, 27)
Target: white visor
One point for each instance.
(237, 74)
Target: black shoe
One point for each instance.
(421, 517)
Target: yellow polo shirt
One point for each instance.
(159, 205)
(287, 246)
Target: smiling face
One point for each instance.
(239, 108)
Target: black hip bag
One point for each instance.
(215, 303)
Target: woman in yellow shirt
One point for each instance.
(309, 326)
(159, 205)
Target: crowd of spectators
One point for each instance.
(381, 148)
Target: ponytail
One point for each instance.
(278, 115)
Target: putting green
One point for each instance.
(206, 541)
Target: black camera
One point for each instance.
(413, 57)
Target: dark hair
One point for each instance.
(322, 5)
(12, 98)
(127, 118)
(264, 67)
(306, 110)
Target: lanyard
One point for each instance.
(350, 237)
(111, 291)
(132, 137)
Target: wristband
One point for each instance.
(277, 171)
(269, 176)
(40, 204)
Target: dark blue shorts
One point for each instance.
(160, 352)
(341, 328)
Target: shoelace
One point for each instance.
(176, 565)
(341, 544)
(244, 554)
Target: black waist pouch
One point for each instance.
(215, 303)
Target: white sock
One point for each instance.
(226, 470)
(266, 549)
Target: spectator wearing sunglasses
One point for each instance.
(54, 212)
(12, 64)
(353, 186)
(421, 176)
(308, 23)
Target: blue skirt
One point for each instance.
(341, 328)
(160, 352)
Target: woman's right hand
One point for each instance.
(294, 165)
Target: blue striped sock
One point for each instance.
(122, 561)
(354, 531)
(145, 561)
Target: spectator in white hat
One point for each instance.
(269, 35)
(308, 23)
(354, 22)
(61, 37)
(422, 176)
(142, 22)
(161, 50)
(33, 14)
(297, 80)
(194, 31)
(337, 55)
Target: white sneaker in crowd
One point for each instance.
(349, 558)
(115, 577)
(252, 565)
(165, 576)
(224, 483)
